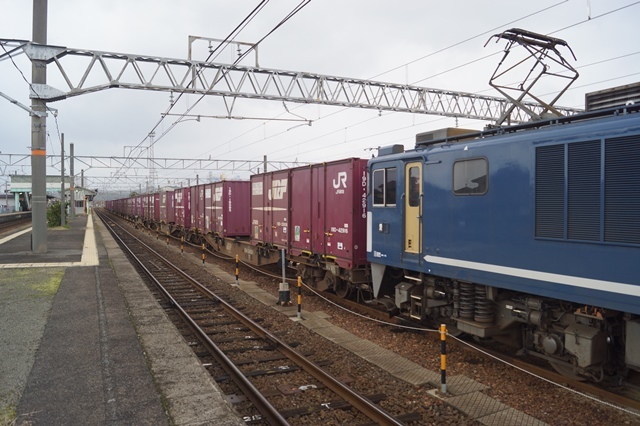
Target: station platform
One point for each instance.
(83, 341)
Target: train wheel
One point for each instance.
(342, 288)
(566, 370)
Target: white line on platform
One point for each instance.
(89, 251)
(12, 236)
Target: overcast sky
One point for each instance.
(433, 44)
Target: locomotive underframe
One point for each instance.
(586, 342)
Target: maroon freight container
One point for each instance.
(143, 206)
(166, 207)
(182, 207)
(228, 209)
(193, 207)
(148, 206)
(156, 206)
(317, 226)
(270, 208)
(147, 201)
(206, 208)
(301, 208)
(139, 206)
(197, 206)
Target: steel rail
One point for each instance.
(360, 403)
(254, 395)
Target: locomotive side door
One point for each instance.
(412, 207)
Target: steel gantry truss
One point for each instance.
(107, 70)
(135, 164)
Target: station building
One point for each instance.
(18, 196)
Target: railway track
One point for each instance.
(627, 396)
(14, 224)
(247, 360)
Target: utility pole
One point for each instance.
(153, 175)
(63, 206)
(39, 136)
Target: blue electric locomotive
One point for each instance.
(528, 235)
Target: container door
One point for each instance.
(412, 207)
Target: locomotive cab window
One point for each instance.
(470, 177)
(414, 186)
(384, 187)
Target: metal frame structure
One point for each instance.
(141, 163)
(144, 72)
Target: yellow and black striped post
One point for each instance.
(443, 358)
(157, 233)
(237, 269)
(181, 245)
(202, 254)
(299, 297)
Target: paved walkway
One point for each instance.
(84, 342)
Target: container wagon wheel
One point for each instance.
(566, 370)
(342, 288)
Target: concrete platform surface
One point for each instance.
(76, 346)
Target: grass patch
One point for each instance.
(50, 285)
(8, 415)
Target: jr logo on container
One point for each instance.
(278, 189)
(340, 183)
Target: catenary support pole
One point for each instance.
(63, 204)
(39, 136)
(72, 186)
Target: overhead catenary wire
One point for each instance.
(238, 60)
(403, 65)
(484, 57)
(297, 9)
(215, 52)
(421, 122)
(341, 110)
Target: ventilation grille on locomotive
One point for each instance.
(577, 199)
